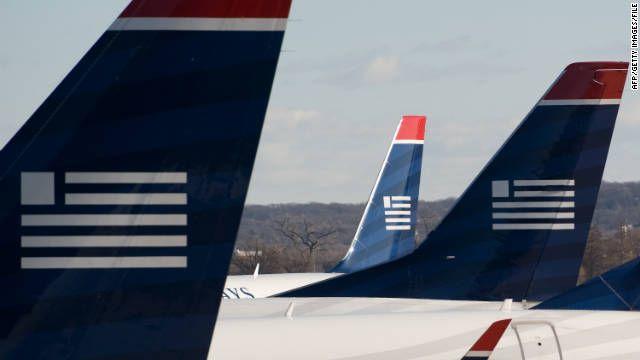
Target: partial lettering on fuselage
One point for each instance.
(237, 293)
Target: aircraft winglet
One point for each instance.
(483, 348)
(616, 290)
(386, 230)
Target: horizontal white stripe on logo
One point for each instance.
(579, 102)
(147, 262)
(401, 198)
(199, 24)
(533, 204)
(126, 199)
(544, 194)
(478, 353)
(126, 178)
(398, 227)
(401, 206)
(104, 241)
(397, 220)
(398, 212)
(105, 220)
(558, 182)
(533, 226)
(535, 215)
(419, 142)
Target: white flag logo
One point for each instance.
(533, 204)
(70, 223)
(397, 212)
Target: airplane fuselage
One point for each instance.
(359, 328)
(265, 285)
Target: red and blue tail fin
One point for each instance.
(122, 194)
(483, 348)
(387, 229)
(520, 229)
(617, 289)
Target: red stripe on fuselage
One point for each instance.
(412, 128)
(590, 80)
(208, 8)
(491, 337)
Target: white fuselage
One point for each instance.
(364, 328)
(265, 285)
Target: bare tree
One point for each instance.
(270, 258)
(306, 236)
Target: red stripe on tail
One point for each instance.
(208, 8)
(590, 80)
(412, 128)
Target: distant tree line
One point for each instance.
(315, 236)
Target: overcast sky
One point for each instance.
(351, 68)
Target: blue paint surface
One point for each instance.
(617, 289)
(154, 101)
(375, 244)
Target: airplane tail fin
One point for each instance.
(387, 229)
(520, 229)
(122, 194)
(483, 348)
(617, 289)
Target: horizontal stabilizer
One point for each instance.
(617, 289)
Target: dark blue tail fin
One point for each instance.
(617, 289)
(520, 229)
(387, 229)
(122, 194)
